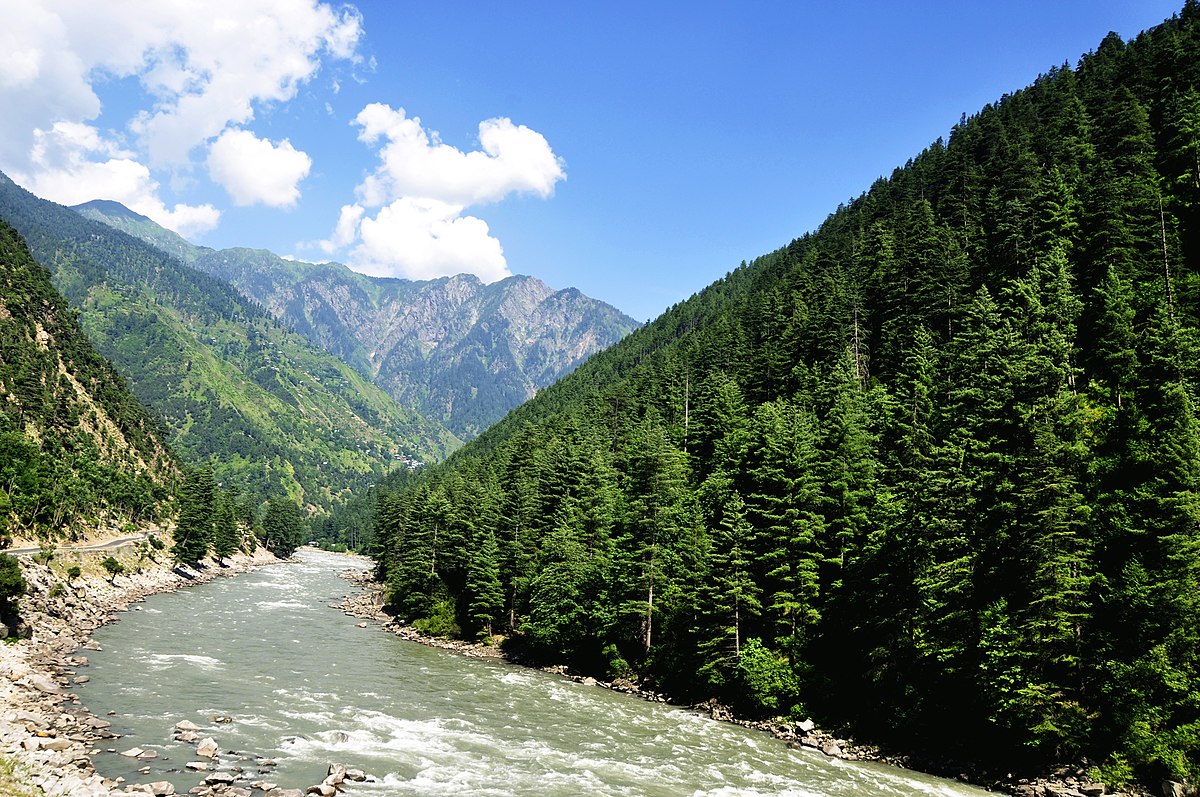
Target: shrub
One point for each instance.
(73, 572)
(440, 621)
(12, 585)
(113, 567)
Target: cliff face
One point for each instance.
(461, 352)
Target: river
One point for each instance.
(305, 687)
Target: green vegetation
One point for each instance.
(12, 585)
(75, 445)
(113, 568)
(276, 415)
(931, 473)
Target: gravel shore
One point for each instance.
(46, 735)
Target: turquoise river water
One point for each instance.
(305, 687)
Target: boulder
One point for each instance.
(57, 744)
(220, 779)
(832, 749)
(807, 726)
(356, 775)
(1093, 789)
(133, 752)
(197, 766)
(321, 790)
(207, 748)
(161, 788)
(335, 774)
(186, 725)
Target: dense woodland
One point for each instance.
(931, 472)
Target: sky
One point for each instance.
(637, 151)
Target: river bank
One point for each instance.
(47, 736)
(1065, 781)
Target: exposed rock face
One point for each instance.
(461, 352)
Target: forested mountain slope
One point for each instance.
(461, 352)
(75, 446)
(275, 414)
(932, 471)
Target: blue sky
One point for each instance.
(637, 151)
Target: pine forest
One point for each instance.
(931, 472)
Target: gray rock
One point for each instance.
(220, 779)
(207, 748)
(832, 749)
(161, 788)
(133, 752)
(356, 775)
(321, 790)
(197, 766)
(55, 744)
(1093, 789)
(807, 726)
(186, 725)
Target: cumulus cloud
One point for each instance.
(422, 238)
(414, 162)
(255, 171)
(422, 187)
(204, 67)
(73, 163)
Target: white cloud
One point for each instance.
(346, 231)
(204, 67)
(414, 162)
(253, 170)
(422, 187)
(74, 164)
(424, 239)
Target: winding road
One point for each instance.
(87, 546)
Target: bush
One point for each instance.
(45, 555)
(156, 543)
(113, 567)
(73, 572)
(768, 679)
(12, 585)
(440, 621)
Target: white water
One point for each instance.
(306, 687)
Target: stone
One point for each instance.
(44, 684)
(222, 718)
(186, 725)
(207, 748)
(56, 744)
(197, 766)
(264, 785)
(187, 736)
(321, 790)
(832, 749)
(1093, 789)
(149, 754)
(356, 775)
(589, 681)
(335, 774)
(220, 779)
(133, 752)
(161, 788)
(807, 726)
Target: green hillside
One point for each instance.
(931, 473)
(461, 352)
(76, 448)
(230, 383)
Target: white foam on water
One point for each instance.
(161, 661)
(284, 604)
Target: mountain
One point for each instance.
(930, 474)
(75, 445)
(232, 384)
(461, 352)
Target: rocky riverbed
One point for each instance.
(47, 737)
